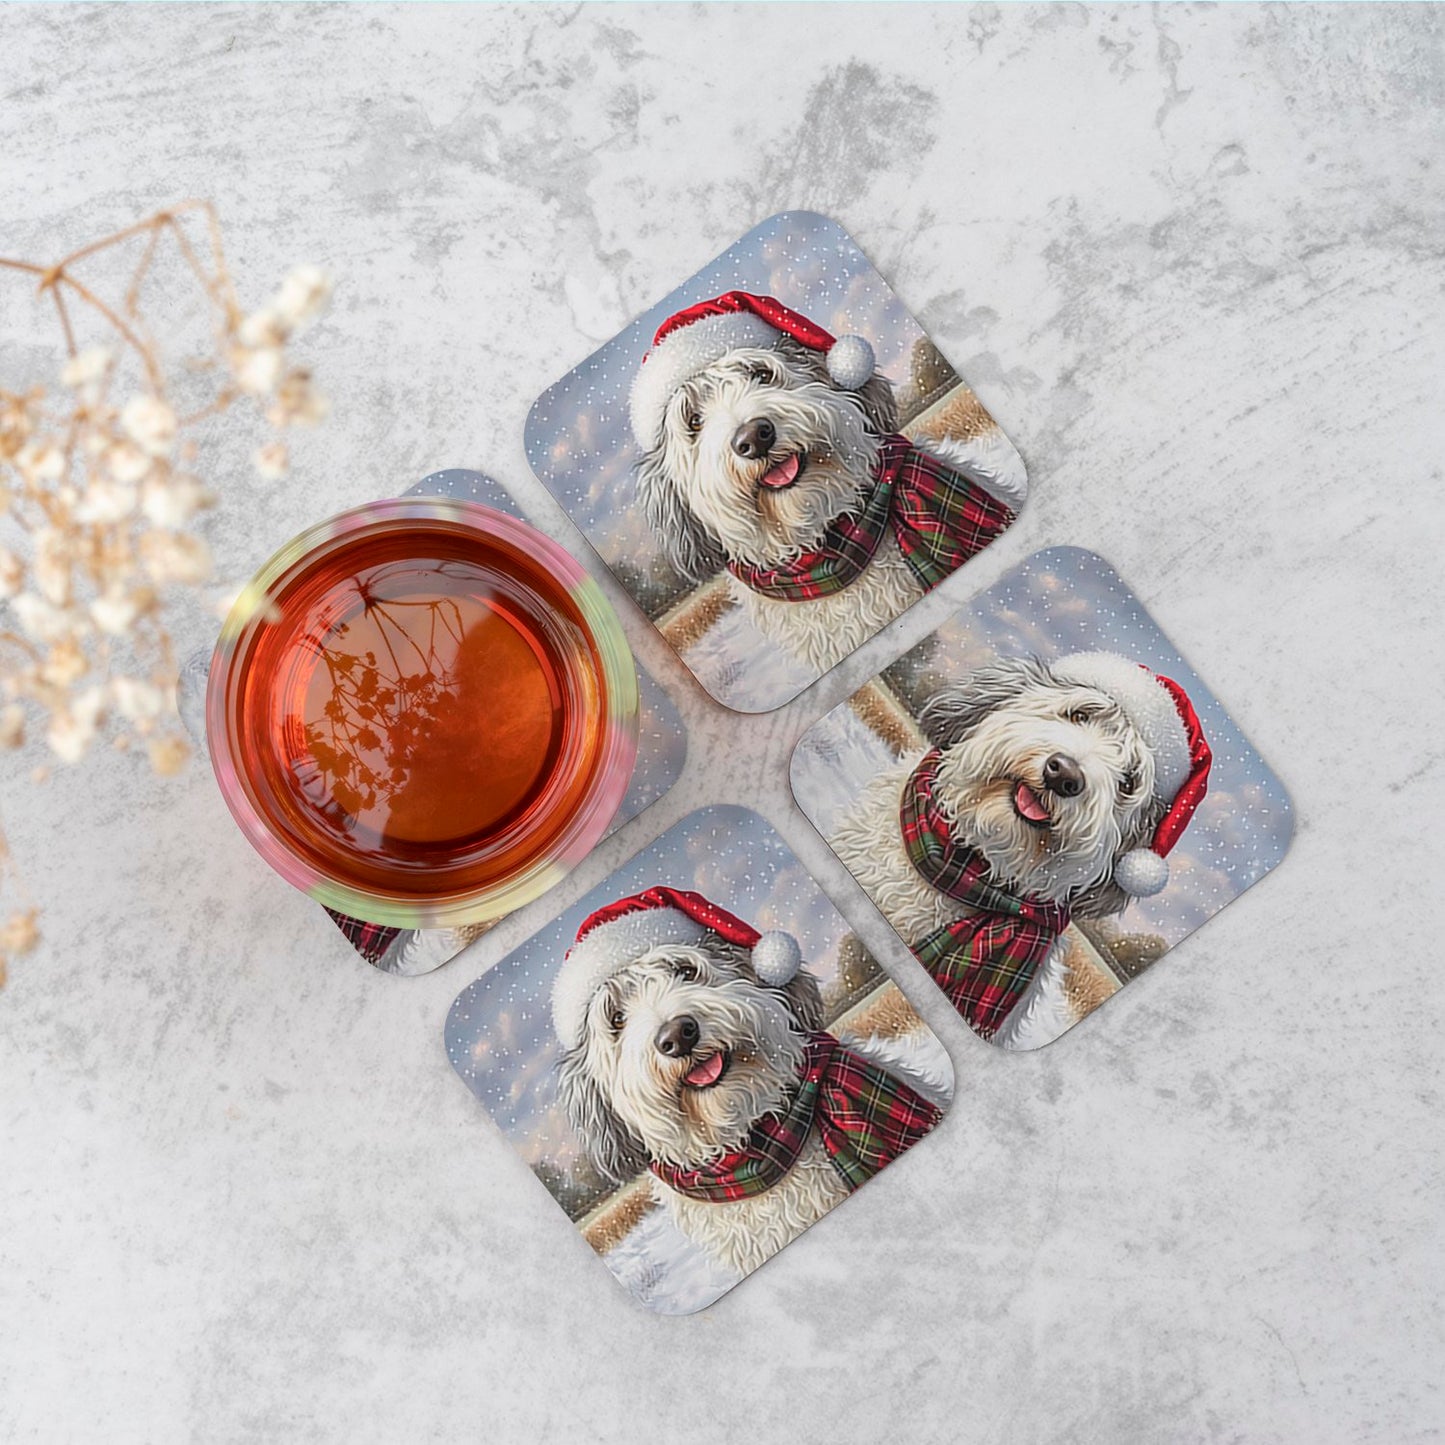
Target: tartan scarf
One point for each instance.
(985, 961)
(866, 1118)
(370, 940)
(938, 515)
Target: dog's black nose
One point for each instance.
(677, 1036)
(1062, 775)
(755, 438)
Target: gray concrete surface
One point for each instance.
(1190, 258)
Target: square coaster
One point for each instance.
(1042, 798)
(661, 753)
(775, 461)
(712, 1066)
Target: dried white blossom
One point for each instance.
(54, 553)
(297, 403)
(150, 424)
(105, 501)
(263, 328)
(40, 461)
(19, 934)
(175, 557)
(257, 371)
(12, 574)
(43, 620)
(172, 502)
(136, 700)
(73, 728)
(127, 462)
(116, 612)
(86, 372)
(12, 725)
(303, 294)
(168, 755)
(64, 665)
(97, 498)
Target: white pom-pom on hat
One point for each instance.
(1141, 873)
(776, 958)
(850, 362)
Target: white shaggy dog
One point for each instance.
(753, 452)
(676, 1056)
(1060, 778)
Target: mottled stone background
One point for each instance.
(1190, 259)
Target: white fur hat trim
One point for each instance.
(606, 950)
(680, 355)
(1147, 705)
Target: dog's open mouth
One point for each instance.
(1030, 807)
(705, 1073)
(782, 474)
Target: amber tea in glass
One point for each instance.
(424, 714)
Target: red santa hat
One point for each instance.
(692, 339)
(1161, 713)
(658, 917)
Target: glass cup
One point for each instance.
(422, 713)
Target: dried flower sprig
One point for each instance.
(100, 485)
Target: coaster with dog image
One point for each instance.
(775, 461)
(699, 1060)
(661, 752)
(1042, 798)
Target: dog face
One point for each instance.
(1047, 779)
(683, 1051)
(759, 452)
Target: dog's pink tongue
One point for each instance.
(707, 1072)
(1027, 802)
(781, 475)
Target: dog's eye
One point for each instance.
(616, 1018)
(686, 970)
(1079, 714)
(1128, 783)
(758, 372)
(693, 421)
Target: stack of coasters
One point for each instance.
(698, 1060)
(775, 461)
(1042, 798)
(661, 752)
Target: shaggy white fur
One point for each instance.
(824, 630)
(1000, 729)
(630, 1100)
(744, 1233)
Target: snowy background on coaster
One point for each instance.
(1060, 601)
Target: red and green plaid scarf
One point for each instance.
(866, 1119)
(370, 940)
(939, 517)
(985, 961)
